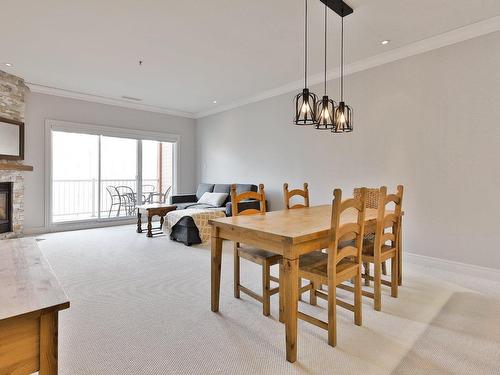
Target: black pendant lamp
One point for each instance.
(325, 107)
(305, 102)
(343, 113)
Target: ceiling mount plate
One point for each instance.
(339, 7)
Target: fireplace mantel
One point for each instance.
(15, 167)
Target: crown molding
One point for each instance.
(41, 89)
(449, 38)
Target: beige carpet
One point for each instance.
(142, 306)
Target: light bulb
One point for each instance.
(342, 118)
(305, 107)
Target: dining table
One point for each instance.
(290, 233)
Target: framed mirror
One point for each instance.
(11, 139)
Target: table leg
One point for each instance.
(48, 343)
(162, 220)
(150, 226)
(291, 293)
(215, 269)
(139, 223)
(400, 252)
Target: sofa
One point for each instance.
(185, 230)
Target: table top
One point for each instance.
(27, 282)
(153, 206)
(294, 226)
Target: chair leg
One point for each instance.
(358, 316)
(312, 295)
(281, 295)
(384, 268)
(332, 314)
(367, 273)
(300, 286)
(266, 286)
(236, 259)
(394, 276)
(377, 286)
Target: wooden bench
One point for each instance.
(30, 300)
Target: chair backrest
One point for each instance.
(287, 195)
(126, 191)
(256, 195)
(112, 191)
(340, 248)
(387, 220)
(371, 196)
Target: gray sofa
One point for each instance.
(185, 230)
(191, 200)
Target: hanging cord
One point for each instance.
(326, 27)
(305, 52)
(342, 62)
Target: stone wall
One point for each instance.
(12, 105)
(12, 96)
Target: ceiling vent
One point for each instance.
(132, 98)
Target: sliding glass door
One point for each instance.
(102, 177)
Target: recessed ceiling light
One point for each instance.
(9, 65)
(215, 101)
(385, 42)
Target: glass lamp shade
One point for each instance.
(305, 108)
(324, 113)
(343, 119)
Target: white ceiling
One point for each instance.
(198, 51)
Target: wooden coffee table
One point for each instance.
(154, 209)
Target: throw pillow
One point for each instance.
(213, 199)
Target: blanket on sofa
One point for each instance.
(200, 218)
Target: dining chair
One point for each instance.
(372, 195)
(385, 245)
(128, 198)
(289, 205)
(261, 257)
(341, 263)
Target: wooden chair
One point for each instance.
(372, 195)
(385, 245)
(342, 263)
(287, 197)
(259, 256)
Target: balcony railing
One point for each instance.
(78, 199)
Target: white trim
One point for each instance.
(453, 266)
(78, 226)
(452, 37)
(74, 127)
(41, 89)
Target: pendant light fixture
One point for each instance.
(343, 113)
(305, 102)
(326, 106)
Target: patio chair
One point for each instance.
(128, 198)
(147, 193)
(115, 198)
(160, 197)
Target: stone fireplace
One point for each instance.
(12, 106)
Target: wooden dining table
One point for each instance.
(290, 233)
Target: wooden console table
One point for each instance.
(30, 300)
(154, 209)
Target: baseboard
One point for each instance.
(80, 226)
(487, 273)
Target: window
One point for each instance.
(103, 174)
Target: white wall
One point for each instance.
(40, 107)
(430, 122)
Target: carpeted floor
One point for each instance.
(142, 306)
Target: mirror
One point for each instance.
(11, 139)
